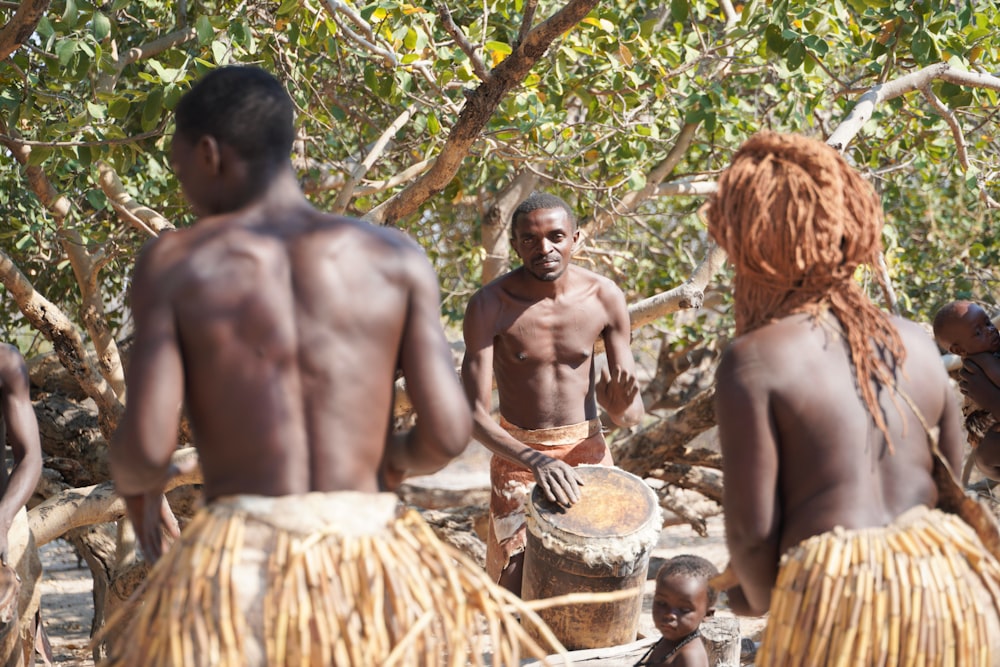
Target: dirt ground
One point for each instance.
(67, 603)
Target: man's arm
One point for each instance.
(558, 480)
(444, 424)
(22, 436)
(750, 470)
(147, 434)
(975, 384)
(618, 392)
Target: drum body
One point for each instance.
(600, 544)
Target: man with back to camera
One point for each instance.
(534, 329)
(281, 329)
(830, 411)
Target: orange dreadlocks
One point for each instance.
(796, 220)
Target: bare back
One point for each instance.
(290, 332)
(801, 452)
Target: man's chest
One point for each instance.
(549, 335)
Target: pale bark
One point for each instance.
(86, 271)
(143, 218)
(496, 224)
(75, 508)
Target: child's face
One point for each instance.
(972, 332)
(680, 603)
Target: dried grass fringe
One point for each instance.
(398, 599)
(902, 595)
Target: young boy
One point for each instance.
(683, 598)
(965, 329)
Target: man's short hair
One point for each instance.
(540, 201)
(243, 107)
(696, 567)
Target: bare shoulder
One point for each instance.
(370, 240)
(12, 364)
(583, 276)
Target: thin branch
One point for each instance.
(144, 218)
(360, 169)
(949, 117)
(367, 41)
(448, 23)
(529, 18)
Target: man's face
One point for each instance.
(971, 332)
(544, 240)
(186, 161)
(680, 604)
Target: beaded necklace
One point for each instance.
(644, 660)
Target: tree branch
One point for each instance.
(479, 107)
(21, 26)
(135, 214)
(360, 169)
(456, 33)
(75, 508)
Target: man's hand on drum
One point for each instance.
(558, 480)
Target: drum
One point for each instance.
(600, 544)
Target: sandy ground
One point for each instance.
(67, 588)
(67, 604)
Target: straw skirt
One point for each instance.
(346, 579)
(921, 591)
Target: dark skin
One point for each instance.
(19, 428)
(680, 604)
(968, 332)
(281, 329)
(801, 453)
(534, 329)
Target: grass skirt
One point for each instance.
(921, 591)
(243, 587)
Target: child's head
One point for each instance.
(964, 328)
(683, 597)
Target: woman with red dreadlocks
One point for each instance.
(831, 416)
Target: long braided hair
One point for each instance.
(796, 220)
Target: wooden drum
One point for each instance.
(600, 544)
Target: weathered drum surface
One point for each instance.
(599, 544)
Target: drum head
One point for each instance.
(613, 503)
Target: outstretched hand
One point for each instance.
(155, 524)
(558, 481)
(616, 391)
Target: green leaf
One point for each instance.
(152, 109)
(96, 110)
(433, 125)
(97, 199)
(118, 108)
(65, 50)
(70, 14)
(220, 53)
(498, 47)
(203, 28)
(679, 10)
(775, 42)
(287, 7)
(795, 55)
(100, 25)
(922, 46)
